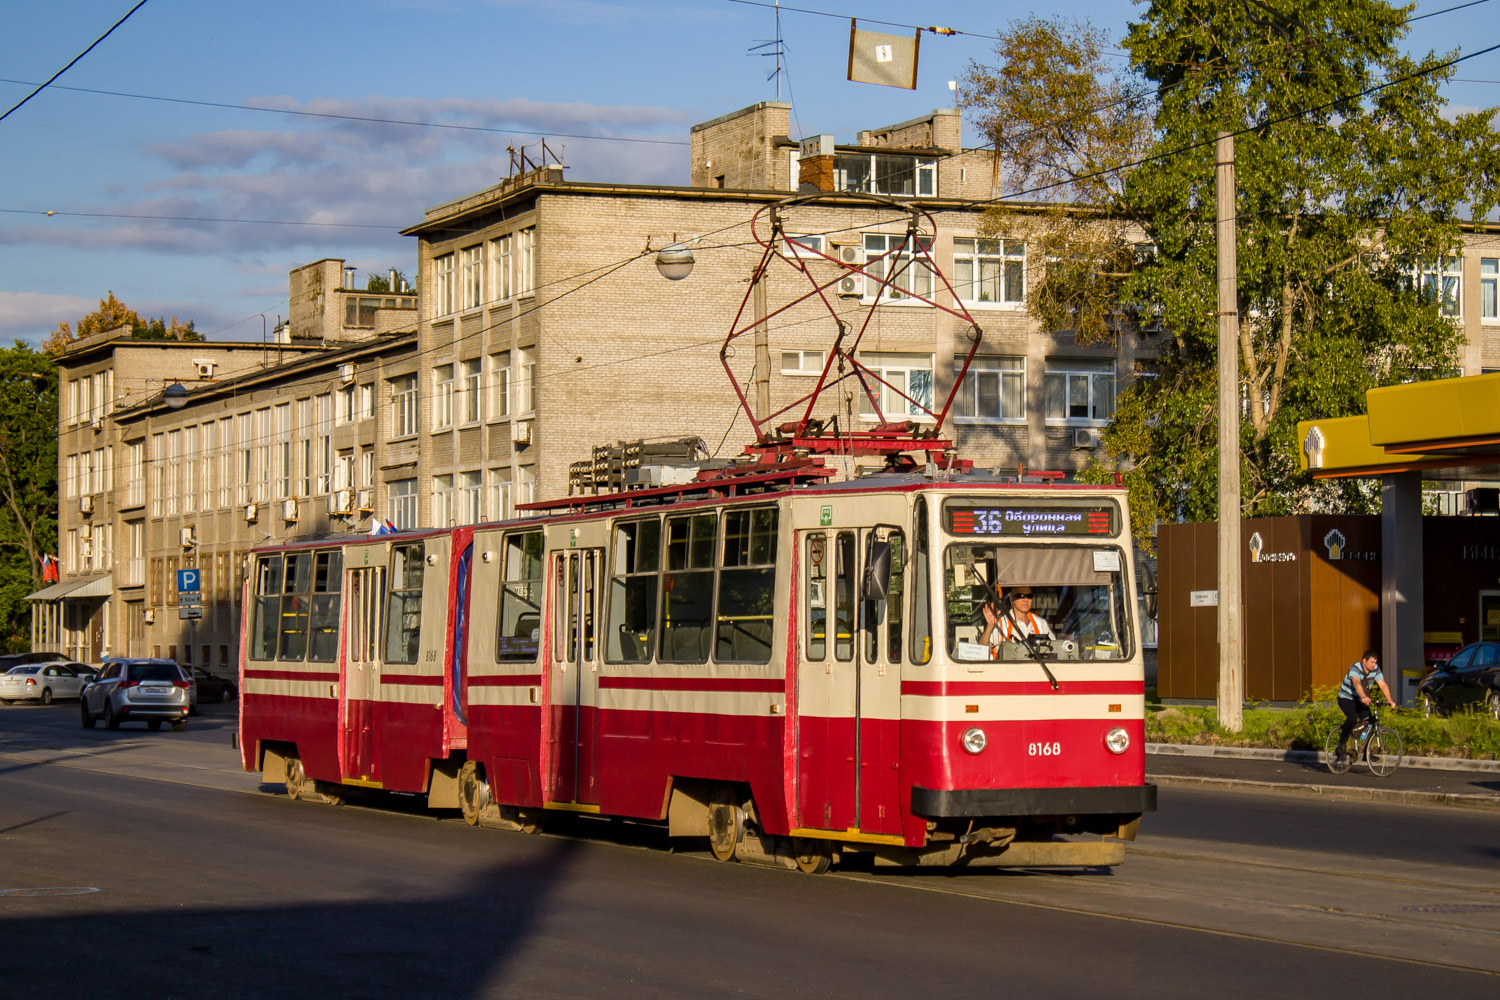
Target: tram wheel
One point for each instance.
(726, 823)
(813, 857)
(296, 779)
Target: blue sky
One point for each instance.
(645, 70)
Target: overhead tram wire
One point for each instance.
(370, 119)
(71, 62)
(868, 20)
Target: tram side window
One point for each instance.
(843, 597)
(403, 619)
(747, 587)
(817, 596)
(294, 605)
(885, 614)
(521, 598)
(328, 570)
(267, 611)
(687, 597)
(921, 589)
(635, 575)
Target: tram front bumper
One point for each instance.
(1019, 802)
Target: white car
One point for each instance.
(44, 682)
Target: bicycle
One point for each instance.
(1378, 746)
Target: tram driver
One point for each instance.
(1015, 622)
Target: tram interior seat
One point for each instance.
(745, 642)
(632, 648)
(527, 625)
(686, 641)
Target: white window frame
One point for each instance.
(442, 285)
(809, 363)
(1097, 372)
(442, 397)
(471, 496)
(924, 173)
(323, 450)
(1447, 273)
(403, 390)
(471, 391)
(442, 501)
(526, 266)
(367, 401)
(500, 269)
(804, 247)
(1000, 370)
(1489, 290)
(987, 271)
(526, 382)
(915, 279)
(402, 500)
(891, 366)
(500, 494)
(471, 274)
(500, 386)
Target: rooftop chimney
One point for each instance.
(815, 163)
(349, 278)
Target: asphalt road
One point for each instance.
(135, 863)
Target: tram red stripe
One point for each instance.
(292, 675)
(772, 684)
(422, 680)
(938, 689)
(504, 680)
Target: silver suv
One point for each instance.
(149, 691)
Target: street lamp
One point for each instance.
(175, 395)
(675, 262)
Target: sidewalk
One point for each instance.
(1475, 784)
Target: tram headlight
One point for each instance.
(1118, 740)
(973, 740)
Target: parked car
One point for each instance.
(1470, 680)
(9, 660)
(43, 682)
(209, 687)
(137, 690)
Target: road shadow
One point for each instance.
(451, 946)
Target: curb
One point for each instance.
(1313, 757)
(1335, 792)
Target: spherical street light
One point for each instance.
(175, 395)
(675, 262)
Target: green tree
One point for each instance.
(381, 283)
(1343, 197)
(113, 314)
(28, 483)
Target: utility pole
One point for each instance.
(1231, 701)
(762, 352)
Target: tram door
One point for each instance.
(575, 674)
(828, 684)
(360, 679)
(878, 736)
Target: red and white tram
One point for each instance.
(792, 668)
(794, 672)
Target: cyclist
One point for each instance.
(1354, 695)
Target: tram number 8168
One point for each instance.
(1044, 749)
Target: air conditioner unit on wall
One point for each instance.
(341, 502)
(1085, 437)
(86, 504)
(97, 423)
(86, 549)
(85, 530)
(346, 372)
(289, 509)
(520, 432)
(366, 501)
(251, 511)
(188, 539)
(852, 284)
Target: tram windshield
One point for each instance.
(1018, 602)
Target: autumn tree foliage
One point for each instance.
(113, 314)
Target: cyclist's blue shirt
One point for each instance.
(1346, 689)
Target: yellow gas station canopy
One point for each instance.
(1447, 428)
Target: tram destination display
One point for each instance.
(1036, 520)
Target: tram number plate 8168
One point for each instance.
(1044, 749)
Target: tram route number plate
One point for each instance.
(1035, 520)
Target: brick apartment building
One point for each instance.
(543, 329)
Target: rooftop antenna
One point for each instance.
(774, 47)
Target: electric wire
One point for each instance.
(71, 62)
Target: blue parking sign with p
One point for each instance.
(188, 581)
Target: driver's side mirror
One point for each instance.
(877, 582)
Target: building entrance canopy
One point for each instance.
(85, 586)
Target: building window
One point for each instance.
(304, 470)
(281, 455)
(262, 454)
(1489, 288)
(994, 389)
(990, 272)
(174, 462)
(442, 397)
(804, 247)
(907, 393)
(135, 553)
(500, 385)
(500, 500)
(343, 469)
(208, 448)
(359, 310)
(907, 268)
(1442, 283)
(343, 408)
(244, 471)
(500, 272)
(323, 450)
(526, 385)
(1079, 391)
(801, 362)
(226, 461)
(189, 472)
(470, 495)
(403, 503)
(442, 269)
(367, 470)
(135, 465)
(470, 390)
(526, 266)
(884, 173)
(471, 271)
(403, 406)
(442, 501)
(367, 401)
